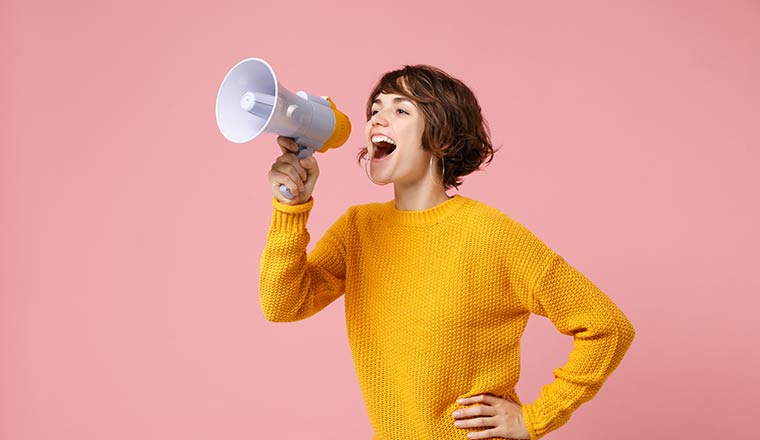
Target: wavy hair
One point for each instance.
(455, 129)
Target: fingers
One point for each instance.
(475, 417)
(309, 164)
(478, 422)
(285, 174)
(286, 177)
(502, 416)
(475, 411)
(287, 145)
(289, 164)
(298, 175)
(312, 171)
(277, 179)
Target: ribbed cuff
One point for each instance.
(291, 218)
(529, 423)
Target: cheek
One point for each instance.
(419, 130)
(367, 130)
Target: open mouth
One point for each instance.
(384, 146)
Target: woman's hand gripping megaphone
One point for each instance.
(299, 176)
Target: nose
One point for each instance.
(379, 119)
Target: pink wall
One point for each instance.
(130, 229)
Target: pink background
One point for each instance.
(131, 230)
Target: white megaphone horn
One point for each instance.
(251, 101)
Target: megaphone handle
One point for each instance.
(303, 152)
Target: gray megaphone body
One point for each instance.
(251, 101)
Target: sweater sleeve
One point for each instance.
(294, 285)
(601, 333)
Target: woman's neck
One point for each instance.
(418, 198)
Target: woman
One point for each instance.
(438, 288)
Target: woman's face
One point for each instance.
(394, 141)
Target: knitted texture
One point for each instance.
(436, 302)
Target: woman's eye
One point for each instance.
(398, 110)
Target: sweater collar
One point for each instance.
(424, 217)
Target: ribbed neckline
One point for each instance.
(426, 216)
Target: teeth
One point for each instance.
(381, 138)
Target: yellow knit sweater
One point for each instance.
(436, 302)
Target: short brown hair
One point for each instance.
(455, 129)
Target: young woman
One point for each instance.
(438, 289)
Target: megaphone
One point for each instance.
(251, 101)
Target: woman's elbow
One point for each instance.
(276, 311)
(625, 330)
(273, 315)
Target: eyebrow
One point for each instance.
(377, 100)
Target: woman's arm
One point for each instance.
(601, 332)
(292, 284)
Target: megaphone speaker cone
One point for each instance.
(251, 83)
